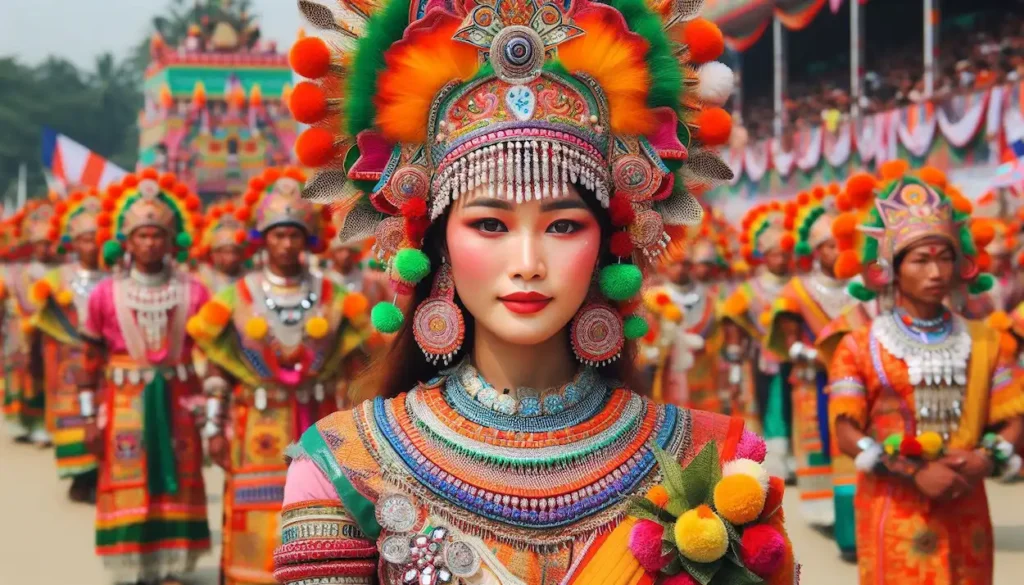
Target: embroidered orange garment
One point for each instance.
(902, 537)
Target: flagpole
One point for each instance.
(22, 185)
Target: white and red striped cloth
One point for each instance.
(72, 165)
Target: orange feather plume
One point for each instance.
(614, 57)
(417, 68)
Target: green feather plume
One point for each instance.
(383, 29)
(983, 283)
(860, 292)
(666, 77)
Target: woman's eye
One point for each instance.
(490, 225)
(564, 226)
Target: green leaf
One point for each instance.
(701, 475)
(702, 572)
(641, 507)
(674, 567)
(732, 531)
(736, 574)
(672, 474)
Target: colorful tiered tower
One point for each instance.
(216, 109)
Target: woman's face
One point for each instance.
(522, 269)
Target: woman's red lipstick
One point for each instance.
(525, 303)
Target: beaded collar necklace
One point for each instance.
(527, 402)
(925, 330)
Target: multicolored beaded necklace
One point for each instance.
(516, 476)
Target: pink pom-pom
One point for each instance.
(645, 544)
(683, 578)
(751, 447)
(762, 550)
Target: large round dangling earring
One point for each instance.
(438, 325)
(597, 334)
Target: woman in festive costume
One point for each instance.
(803, 309)
(151, 522)
(278, 340)
(684, 341)
(756, 374)
(62, 297)
(26, 404)
(927, 402)
(487, 183)
(221, 247)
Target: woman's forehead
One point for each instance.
(482, 197)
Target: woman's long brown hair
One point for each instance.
(403, 366)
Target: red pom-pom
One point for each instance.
(621, 245)
(114, 191)
(216, 213)
(645, 544)
(150, 173)
(193, 203)
(910, 447)
(984, 261)
(326, 213)
(843, 203)
(257, 184)
(416, 228)
(860, 188)
(787, 242)
(661, 299)
(803, 198)
(818, 192)
(762, 550)
(621, 211)
(414, 208)
(295, 174)
(251, 197)
(847, 265)
(60, 206)
(315, 147)
(773, 501)
(714, 125)
(52, 234)
(243, 214)
(893, 169)
(308, 103)
(271, 175)
(683, 578)
(310, 57)
(180, 190)
(789, 222)
(240, 237)
(330, 232)
(168, 181)
(104, 220)
(128, 182)
(704, 39)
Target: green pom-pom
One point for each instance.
(870, 251)
(860, 292)
(112, 252)
(803, 248)
(183, 240)
(967, 242)
(983, 283)
(892, 442)
(412, 265)
(634, 327)
(386, 317)
(620, 282)
(182, 256)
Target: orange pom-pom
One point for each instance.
(833, 189)
(847, 265)
(803, 198)
(168, 181)
(818, 192)
(257, 184)
(150, 173)
(193, 203)
(40, 291)
(310, 57)
(961, 204)
(61, 207)
(714, 125)
(933, 177)
(104, 220)
(243, 214)
(1008, 344)
(308, 103)
(845, 226)
(215, 313)
(216, 213)
(704, 39)
(251, 197)
(893, 169)
(983, 233)
(128, 182)
(657, 495)
(240, 237)
(787, 242)
(354, 305)
(315, 147)
(860, 188)
(843, 203)
(295, 174)
(271, 175)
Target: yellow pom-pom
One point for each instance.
(26, 326)
(65, 297)
(765, 318)
(672, 313)
(701, 536)
(194, 328)
(317, 327)
(931, 444)
(658, 495)
(739, 498)
(256, 328)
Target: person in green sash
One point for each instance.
(138, 381)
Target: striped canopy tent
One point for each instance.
(744, 21)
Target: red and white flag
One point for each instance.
(72, 165)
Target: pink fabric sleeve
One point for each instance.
(306, 483)
(98, 311)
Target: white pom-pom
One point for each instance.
(747, 467)
(716, 82)
(868, 459)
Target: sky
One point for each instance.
(79, 30)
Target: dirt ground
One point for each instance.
(47, 540)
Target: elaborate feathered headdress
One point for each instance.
(416, 103)
(763, 229)
(220, 228)
(274, 199)
(75, 216)
(809, 219)
(887, 218)
(32, 222)
(146, 199)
